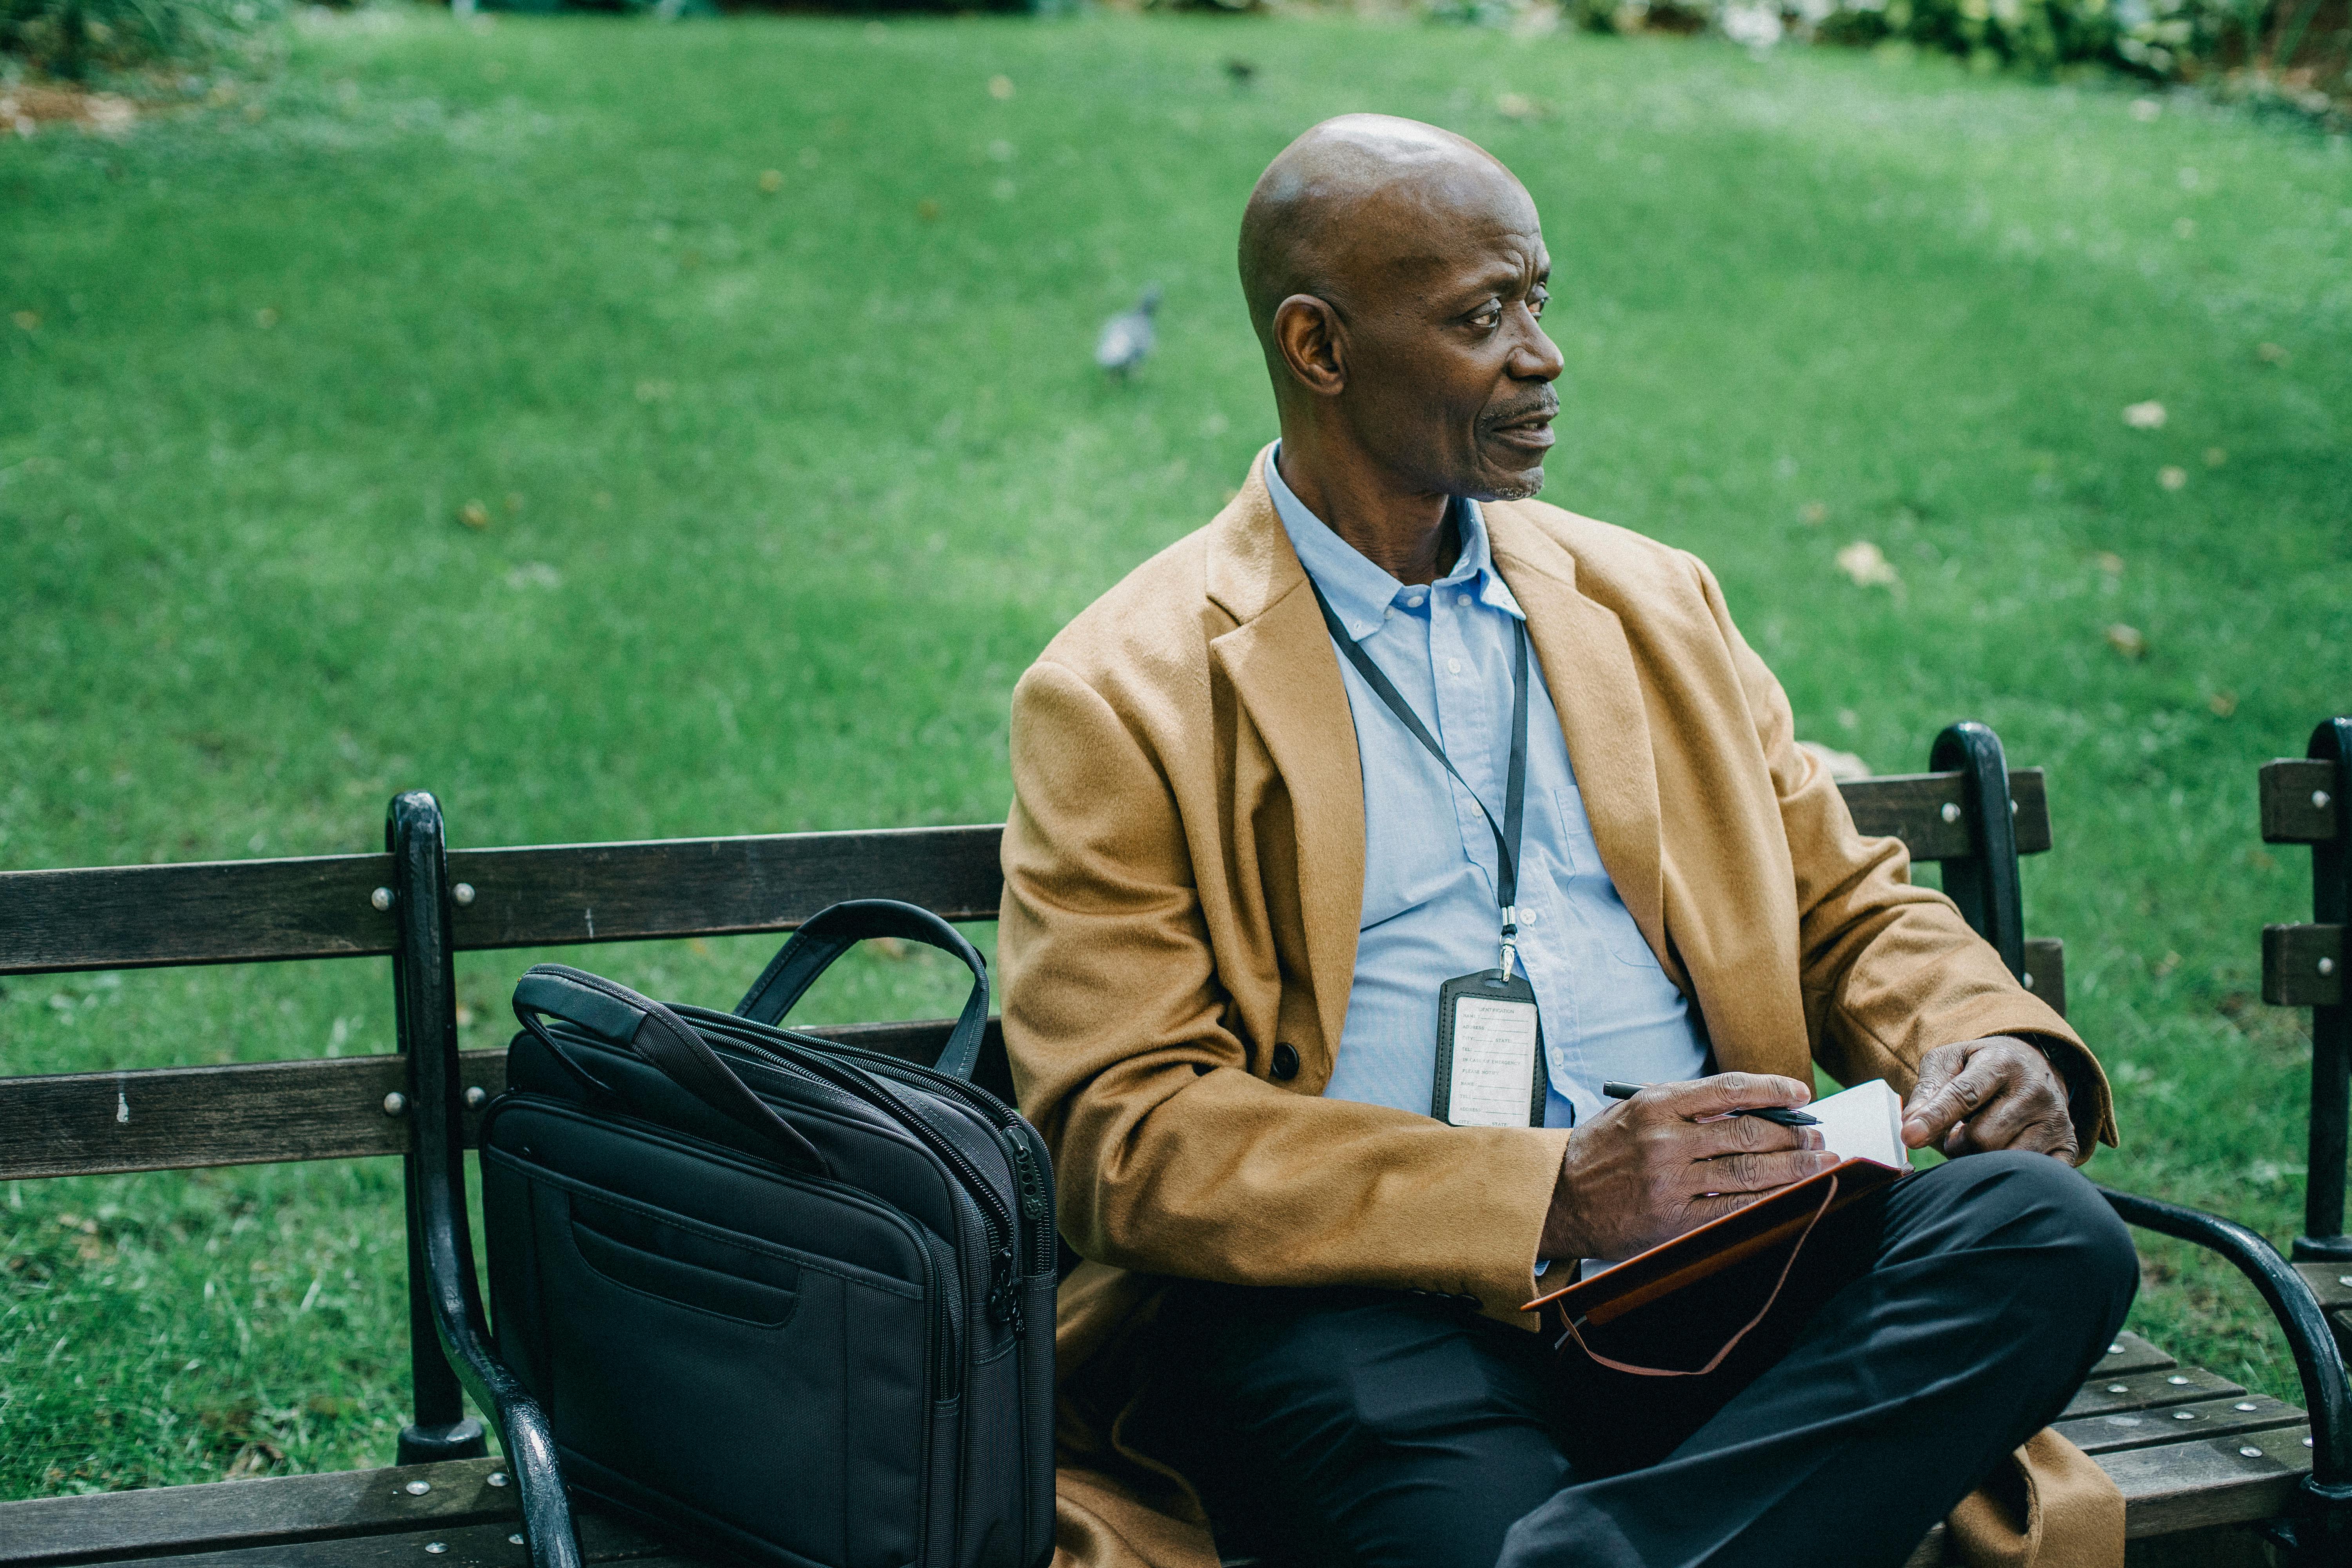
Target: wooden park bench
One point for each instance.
(2201, 1461)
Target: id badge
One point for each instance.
(1490, 1066)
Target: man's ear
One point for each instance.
(1312, 341)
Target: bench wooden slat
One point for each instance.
(2303, 965)
(2190, 1486)
(557, 894)
(1910, 807)
(254, 1113)
(274, 1511)
(356, 1520)
(234, 911)
(2130, 1352)
(2205, 1418)
(207, 911)
(243, 1113)
(2045, 971)
(2290, 813)
(2147, 1390)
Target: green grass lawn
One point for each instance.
(785, 486)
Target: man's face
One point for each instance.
(1449, 370)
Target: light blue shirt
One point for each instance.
(1429, 914)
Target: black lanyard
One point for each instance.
(1514, 799)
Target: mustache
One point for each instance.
(1545, 406)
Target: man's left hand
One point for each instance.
(1999, 1093)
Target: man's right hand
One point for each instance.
(1672, 1158)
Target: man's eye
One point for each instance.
(1535, 303)
(1488, 318)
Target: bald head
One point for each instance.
(1359, 205)
(1397, 276)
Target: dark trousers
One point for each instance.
(1940, 1328)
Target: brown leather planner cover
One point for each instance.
(1719, 1244)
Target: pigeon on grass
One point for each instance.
(1126, 337)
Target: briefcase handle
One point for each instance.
(834, 931)
(614, 1013)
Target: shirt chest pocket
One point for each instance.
(1413, 853)
(1589, 890)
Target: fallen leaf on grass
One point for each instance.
(2270, 353)
(1814, 512)
(2224, 703)
(2145, 110)
(26, 321)
(474, 514)
(534, 574)
(2171, 477)
(928, 210)
(2110, 563)
(2148, 415)
(2215, 457)
(2126, 641)
(771, 180)
(999, 87)
(1868, 566)
(1513, 106)
(265, 318)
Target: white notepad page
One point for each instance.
(1864, 1123)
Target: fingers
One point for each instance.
(1730, 1091)
(1952, 1085)
(1999, 1093)
(1758, 1172)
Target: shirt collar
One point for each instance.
(1361, 592)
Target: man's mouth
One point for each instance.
(1531, 428)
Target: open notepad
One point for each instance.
(1863, 1126)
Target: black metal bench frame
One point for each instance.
(421, 903)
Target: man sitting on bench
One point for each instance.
(1386, 726)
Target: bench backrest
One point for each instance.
(340, 906)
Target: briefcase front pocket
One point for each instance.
(693, 1370)
(642, 1252)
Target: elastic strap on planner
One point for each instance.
(1728, 1345)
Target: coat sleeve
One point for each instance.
(1889, 971)
(1173, 1154)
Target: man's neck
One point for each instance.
(1411, 537)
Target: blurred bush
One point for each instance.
(77, 40)
(2292, 54)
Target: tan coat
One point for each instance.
(1184, 868)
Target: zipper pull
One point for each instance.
(1004, 1294)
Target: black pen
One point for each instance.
(1773, 1113)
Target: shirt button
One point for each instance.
(1531, 916)
(1413, 601)
(1452, 666)
(1286, 1061)
(1462, 598)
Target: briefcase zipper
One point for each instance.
(1036, 1196)
(996, 1219)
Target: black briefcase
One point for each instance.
(788, 1299)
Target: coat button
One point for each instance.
(1286, 1061)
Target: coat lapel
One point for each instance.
(1597, 691)
(1286, 676)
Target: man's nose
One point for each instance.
(1537, 357)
